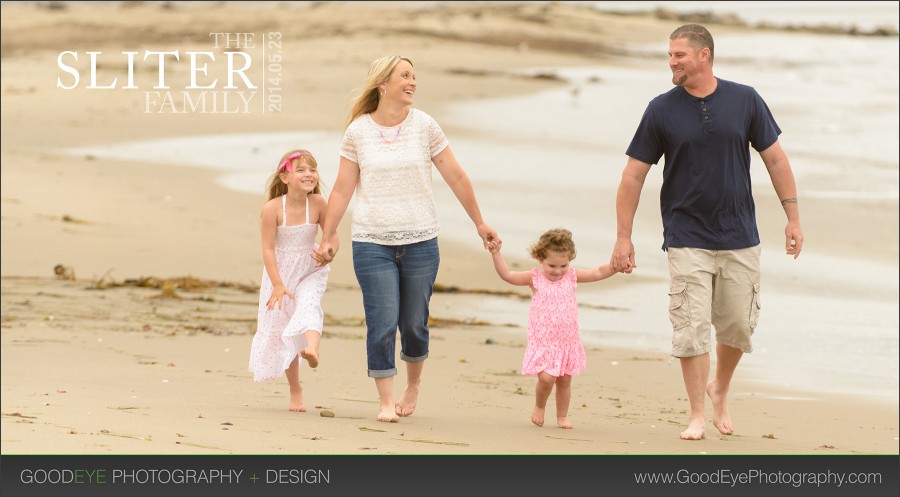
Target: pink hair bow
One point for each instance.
(287, 162)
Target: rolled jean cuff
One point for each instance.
(382, 373)
(406, 358)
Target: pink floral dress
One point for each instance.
(554, 343)
(280, 333)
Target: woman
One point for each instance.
(387, 153)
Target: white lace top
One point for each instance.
(394, 199)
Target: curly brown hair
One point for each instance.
(557, 240)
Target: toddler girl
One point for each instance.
(554, 352)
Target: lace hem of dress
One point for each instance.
(397, 237)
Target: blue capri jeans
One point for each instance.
(396, 283)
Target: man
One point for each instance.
(705, 127)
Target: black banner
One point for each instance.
(470, 475)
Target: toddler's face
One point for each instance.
(555, 265)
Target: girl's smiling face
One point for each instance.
(302, 176)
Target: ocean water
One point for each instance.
(555, 159)
(865, 15)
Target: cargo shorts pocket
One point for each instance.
(755, 306)
(679, 310)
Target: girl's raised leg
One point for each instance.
(311, 352)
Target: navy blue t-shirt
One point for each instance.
(706, 199)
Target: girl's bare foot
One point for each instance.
(537, 416)
(311, 356)
(387, 415)
(407, 403)
(563, 422)
(297, 401)
(311, 351)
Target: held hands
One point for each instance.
(488, 235)
(324, 254)
(622, 259)
(278, 293)
(494, 246)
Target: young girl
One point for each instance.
(554, 351)
(290, 296)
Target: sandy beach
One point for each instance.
(142, 347)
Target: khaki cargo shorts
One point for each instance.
(713, 288)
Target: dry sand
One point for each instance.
(104, 365)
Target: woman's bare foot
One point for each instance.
(311, 356)
(563, 422)
(695, 429)
(407, 403)
(387, 415)
(537, 416)
(721, 419)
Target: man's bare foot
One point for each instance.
(387, 415)
(563, 422)
(311, 356)
(297, 401)
(695, 430)
(537, 416)
(407, 403)
(721, 420)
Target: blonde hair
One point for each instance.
(276, 187)
(367, 98)
(556, 240)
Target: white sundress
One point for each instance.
(280, 333)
